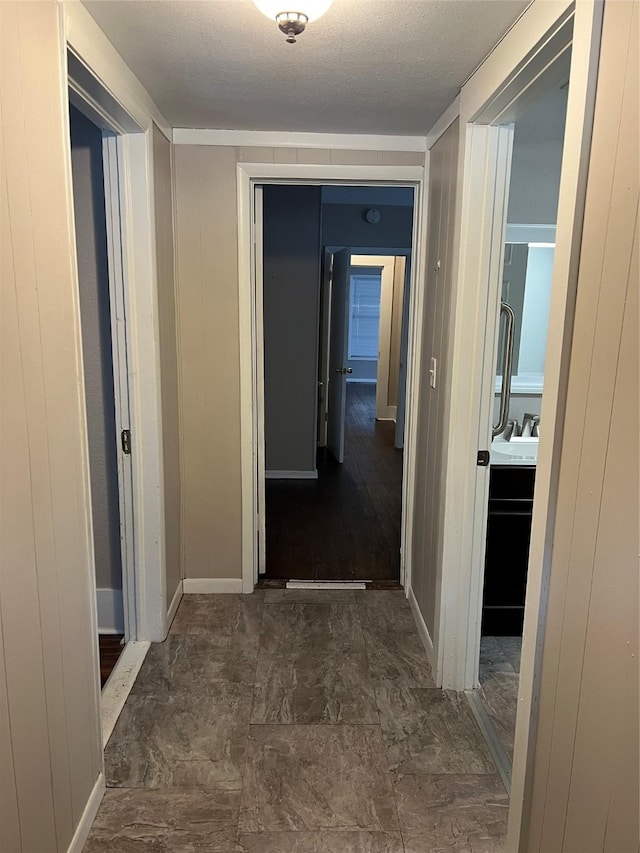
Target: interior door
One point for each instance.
(338, 353)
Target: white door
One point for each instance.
(114, 192)
(338, 352)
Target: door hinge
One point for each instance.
(483, 458)
(125, 438)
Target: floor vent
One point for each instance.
(320, 585)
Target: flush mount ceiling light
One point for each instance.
(293, 23)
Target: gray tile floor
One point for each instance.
(499, 681)
(296, 722)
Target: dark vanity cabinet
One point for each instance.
(508, 536)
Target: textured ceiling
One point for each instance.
(367, 66)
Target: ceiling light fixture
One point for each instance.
(293, 23)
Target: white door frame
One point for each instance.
(387, 266)
(113, 192)
(129, 167)
(249, 175)
(530, 59)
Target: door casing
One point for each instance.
(389, 266)
(249, 176)
(532, 57)
(128, 158)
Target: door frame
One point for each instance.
(338, 386)
(510, 80)
(129, 194)
(387, 265)
(250, 175)
(116, 249)
(407, 255)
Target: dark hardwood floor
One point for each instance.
(110, 650)
(346, 524)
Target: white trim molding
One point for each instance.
(114, 693)
(134, 155)
(444, 123)
(212, 586)
(587, 31)
(145, 390)
(88, 816)
(250, 175)
(175, 602)
(110, 610)
(117, 83)
(291, 475)
(525, 53)
(423, 631)
(282, 139)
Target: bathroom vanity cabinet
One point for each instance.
(507, 554)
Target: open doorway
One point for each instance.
(99, 254)
(528, 253)
(98, 365)
(335, 271)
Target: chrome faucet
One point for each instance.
(512, 429)
(530, 425)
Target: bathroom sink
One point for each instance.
(518, 451)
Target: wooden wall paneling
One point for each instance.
(588, 500)
(9, 816)
(49, 645)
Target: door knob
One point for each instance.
(344, 370)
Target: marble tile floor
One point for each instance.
(296, 722)
(499, 681)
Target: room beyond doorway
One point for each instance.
(334, 298)
(346, 524)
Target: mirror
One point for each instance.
(526, 287)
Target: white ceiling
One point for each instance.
(367, 66)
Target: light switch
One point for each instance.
(432, 372)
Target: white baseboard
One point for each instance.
(175, 601)
(110, 611)
(211, 586)
(291, 475)
(423, 631)
(114, 693)
(88, 816)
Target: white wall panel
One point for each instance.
(585, 772)
(46, 583)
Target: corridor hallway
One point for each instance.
(346, 524)
(296, 722)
